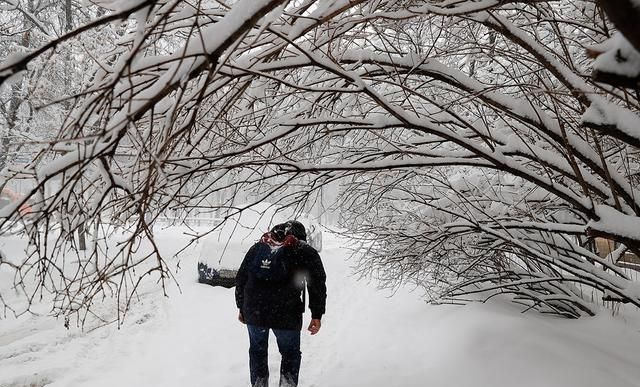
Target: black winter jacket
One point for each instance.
(279, 305)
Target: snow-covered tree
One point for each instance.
(474, 151)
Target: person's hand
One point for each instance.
(314, 326)
(241, 317)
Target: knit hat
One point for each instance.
(278, 232)
(295, 228)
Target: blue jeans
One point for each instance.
(289, 347)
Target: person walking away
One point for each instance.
(269, 285)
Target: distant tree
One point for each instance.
(474, 152)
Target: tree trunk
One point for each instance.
(624, 14)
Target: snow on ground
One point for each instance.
(367, 339)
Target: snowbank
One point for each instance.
(368, 339)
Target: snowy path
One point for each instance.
(367, 339)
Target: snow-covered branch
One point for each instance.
(475, 155)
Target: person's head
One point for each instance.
(295, 228)
(278, 232)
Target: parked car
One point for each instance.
(222, 252)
